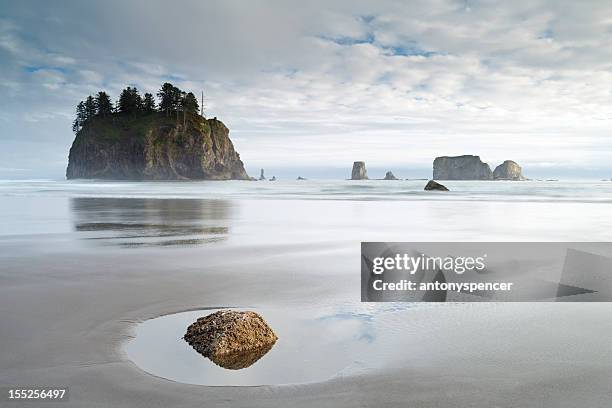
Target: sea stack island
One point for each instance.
(137, 139)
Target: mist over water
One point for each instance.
(97, 214)
(405, 190)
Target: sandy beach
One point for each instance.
(70, 303)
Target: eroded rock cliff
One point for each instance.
(359, 171)
(154, 146)
(465, 167)
(508, 170)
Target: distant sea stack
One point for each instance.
(359, 171)
(390, 176)
(465, 167)
(154, 146)
(469, 167)
(508, 170)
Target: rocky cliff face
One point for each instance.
(359, 171)
(465, 167)
(154, 146)
(508, 170)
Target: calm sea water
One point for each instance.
(142, 214)
(405, 190)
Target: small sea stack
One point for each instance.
(359, 171)
(231, 339)
(432, 185)
(390, 176)
(508, 170)
(261, 175)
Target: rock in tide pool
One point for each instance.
(508, 170)
(359, 171)
(390, 176)
(231, 339)
(432, 185)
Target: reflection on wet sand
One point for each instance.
(143, 222)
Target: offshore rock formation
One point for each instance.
(359, 171)
(300, 178)
(261, 175)
(389, 176)
(465, 167)
(231, 339)
(508, 170)
(154, 146)
(432, 185)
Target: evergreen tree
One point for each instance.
(104, 104)
(91, 107)
(130, 101)
(79, 121)
(190, 104)
(170, 98)
(148, 103)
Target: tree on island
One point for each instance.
(80, 117)
(148, 103)
(104, 104)
(171, 99)
(91, 108)
(190, 104)
(130, 101)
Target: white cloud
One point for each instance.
(320, 83)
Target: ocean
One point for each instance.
(265, 212)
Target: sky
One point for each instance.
(309, 87)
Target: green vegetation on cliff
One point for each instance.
(172, 100)
(137, 142)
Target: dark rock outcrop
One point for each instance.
(359, 171)
(465, 167)
(273, 178)
(389, 176)
(154, 146)
(300, 178)
(508, 170)
(432, 185)
(231, 339)
(261, 175)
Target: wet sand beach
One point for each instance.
(80, 272)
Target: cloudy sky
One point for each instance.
(313, 86)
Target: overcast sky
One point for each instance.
(320, 84)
